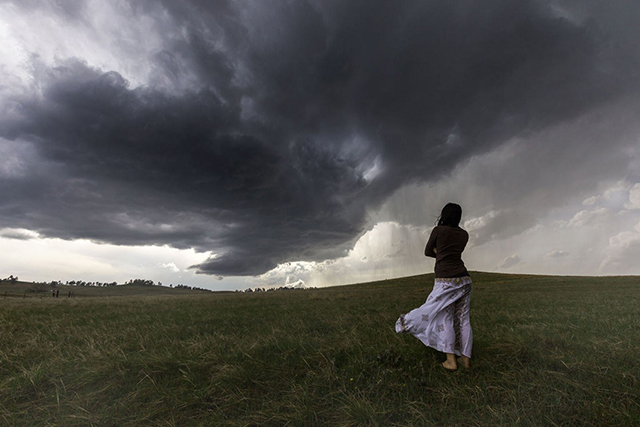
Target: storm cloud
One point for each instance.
(267, 134)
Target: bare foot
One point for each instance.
(450, 366)
(464, 361)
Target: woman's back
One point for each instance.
(446, 245)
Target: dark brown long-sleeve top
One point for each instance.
(446, 245)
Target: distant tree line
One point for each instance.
(141, 282)
(44, 286)
(189, 288)
(83, 283)
(281, 288)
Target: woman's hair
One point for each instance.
(450, 215)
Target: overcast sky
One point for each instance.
(230, 144)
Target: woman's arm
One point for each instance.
(430, 249)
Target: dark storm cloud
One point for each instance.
(256, 135)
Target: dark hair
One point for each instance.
(450, 215)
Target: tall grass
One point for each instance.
(547, 351)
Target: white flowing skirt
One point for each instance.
(442, 322)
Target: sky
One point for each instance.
(234, 144)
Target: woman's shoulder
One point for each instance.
(449, 229)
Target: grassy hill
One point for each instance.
(547, 351)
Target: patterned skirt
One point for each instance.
(442, 322)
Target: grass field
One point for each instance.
(547, 351)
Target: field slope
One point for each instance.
(547, 351)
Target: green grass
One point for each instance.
(547, 351)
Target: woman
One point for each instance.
(442, 322)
